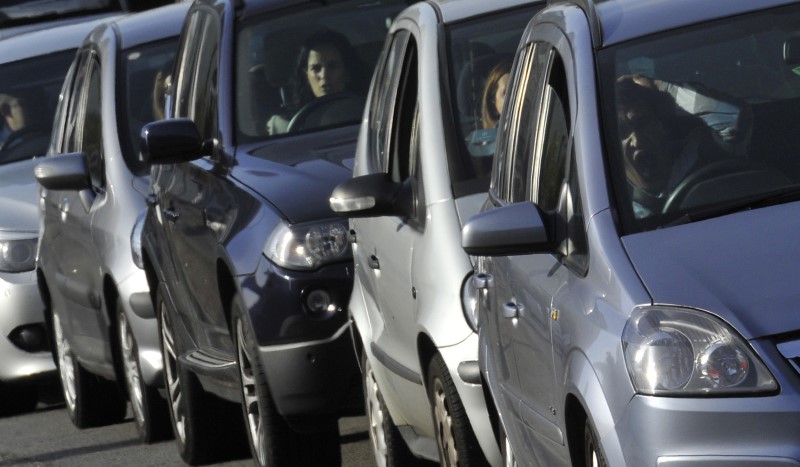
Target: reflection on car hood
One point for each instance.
(742, 267)
(298, 177)
(19, 193)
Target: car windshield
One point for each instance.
(308, 69)
(480, 53)
(29, 91)
(144, 79)
(703, 118)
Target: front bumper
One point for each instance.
(21, 307)
(308, 357)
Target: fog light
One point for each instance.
(320, 304)
(30, 338)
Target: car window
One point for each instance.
(90, 127)
(144, 76)
(309, 68)
(480, 53)
(702, 117)
(29, 92)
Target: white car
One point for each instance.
(422, 164)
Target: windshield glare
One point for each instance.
(702, 116)
(310, 69)
(29, 91)
(480, 53)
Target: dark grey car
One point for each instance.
(638, 257)
(252, 269)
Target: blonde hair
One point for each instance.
(489, 113)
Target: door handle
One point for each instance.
(512, 310)
(171, 214)
(373, 262)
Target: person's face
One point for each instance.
(13, 113)
(644, 147)
(500, 93)
(326, 73)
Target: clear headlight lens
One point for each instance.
(308, 246)
(681, 352)
(18, 255)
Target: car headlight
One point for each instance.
(136, 240)
(18, 255)
(308, 246)
(672, 351)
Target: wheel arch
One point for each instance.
(110, 297)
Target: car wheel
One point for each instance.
(454, 435)
(150, 413)
(90, 400)
(272, 440)
(388, 445)
(188, 403)
(591, 448)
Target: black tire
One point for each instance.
(593, 455)
(388, 445)
(454, 436)
(192, 411)
(150, 411)
(17, 399)
(91, 400)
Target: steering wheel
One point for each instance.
(325, 110)
(720, 172)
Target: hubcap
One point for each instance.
(376, 417)
(173, 379)
(250, 397)
(444, 424)
(131, 366)
(66, 364)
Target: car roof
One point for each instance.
(47, 41)
(151, 25)
(617, 21)
(456, 10)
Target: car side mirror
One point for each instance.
(171, 141)
(66, 172)
(372, 195)
(791, 51)
(515, 229)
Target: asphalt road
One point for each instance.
(47, 437)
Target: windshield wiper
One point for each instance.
(761, 200)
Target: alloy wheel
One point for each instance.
(250, 397)
(444, 424)
(173, 381)
(376, 416)
(130, 364)
(66, 364)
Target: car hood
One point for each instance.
(297, 177)
(19, 193)
(742, 267)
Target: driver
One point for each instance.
(327, 64)
(661, 143)
(26, 137)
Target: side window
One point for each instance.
(75, 107)
(203, 105)
(382, 102)
(404, 137)
(91, 129)
(185, 63)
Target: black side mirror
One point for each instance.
(515, 229)
(171, 141)
(372, 195)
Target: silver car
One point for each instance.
(93, 187)
(422, 167)
(32, 69)
(638, 254)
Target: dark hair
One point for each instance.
(351, 60)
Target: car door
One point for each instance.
(78, 269)
(535, 291)
(386, 245)
(198, 195)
